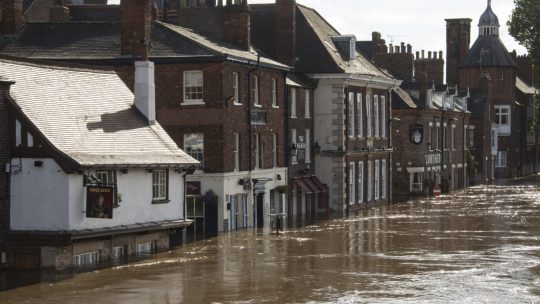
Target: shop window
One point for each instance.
(416, 181)
(88, 258)
(146, 248)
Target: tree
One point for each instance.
(524, 26)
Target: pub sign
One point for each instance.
(99, 201)
(417, 133)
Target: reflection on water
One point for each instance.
(477, 246)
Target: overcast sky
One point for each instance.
(418, 22)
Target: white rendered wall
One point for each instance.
(136, 207)
(39, 196)
(224, 184)
(46, 199)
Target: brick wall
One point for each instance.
(219, 118)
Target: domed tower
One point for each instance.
(489, 71)
(488, 56)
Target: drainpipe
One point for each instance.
(250, 141)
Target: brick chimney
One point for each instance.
(12, 16)
(286, 31)
(458, 39)
(229, 23)
(136, 24)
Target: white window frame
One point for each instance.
(383, 178)
(360, 182)
(236, 152)
(383, 116)
(308, 146)
(370, 181)
(195, 149)
(377, 179)
(438, 130)
(307, 108)
(368, 116)
(236, 88)
(352, 184)
(504, 128)
(190, 81)
(274, 93)
(293, 102)
(445, 137)
(294, 158)
(359, 110)
(350, 114)
(376, 115)
(160, 183)
(274, 150)
(255, 89)
(87, 258)
(501, 162)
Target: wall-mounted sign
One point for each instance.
(417, 133)
(193, 188)
(99, 201)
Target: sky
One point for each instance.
(418, 22)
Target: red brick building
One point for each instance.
(217, 98)
(503, 105)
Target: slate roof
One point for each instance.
(88, 116)
(493, 52)
(488, 17)
(299, 80)
(315, 47)
(99, 40)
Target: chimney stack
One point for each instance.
(135, 27)
(286, 31)
(409, 49)
(145, 90)
(403, 50)
(12, 16)
(391, 47)
(423, 52)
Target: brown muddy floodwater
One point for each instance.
(480, 245)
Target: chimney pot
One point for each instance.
(423, 54)
(396, 49)
(391, 47)
(417, 55)
(429, 54)
(409, 49)
(440, 55)
(403, 50)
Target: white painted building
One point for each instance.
(93, 176)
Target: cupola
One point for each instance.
(489, 23)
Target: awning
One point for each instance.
(315, 180)
(300, 183)
(311, 184)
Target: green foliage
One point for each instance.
(524, 26)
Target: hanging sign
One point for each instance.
(99, 201)
(417, 133)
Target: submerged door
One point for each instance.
(260, 210)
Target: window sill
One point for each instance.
(257, 105)
(275, 107)
(237, 103)
(160, 201)
(294, 117)
(193, 103)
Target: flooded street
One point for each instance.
(481, 245)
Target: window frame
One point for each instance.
(293, 103)
(383, 179)
(377, 180)
(376, 116)
(236, 88)
(255, 91)
(350, 114)
(160, 179)
(383, 116)
(192, 101)
(359, 117)
(236, 151)
(501, 162)
(198, 155)
(307, 103)
(307, 139)
(294, 158)
(352, 183)
(274, 94)
(360, 181)
(369, 116)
